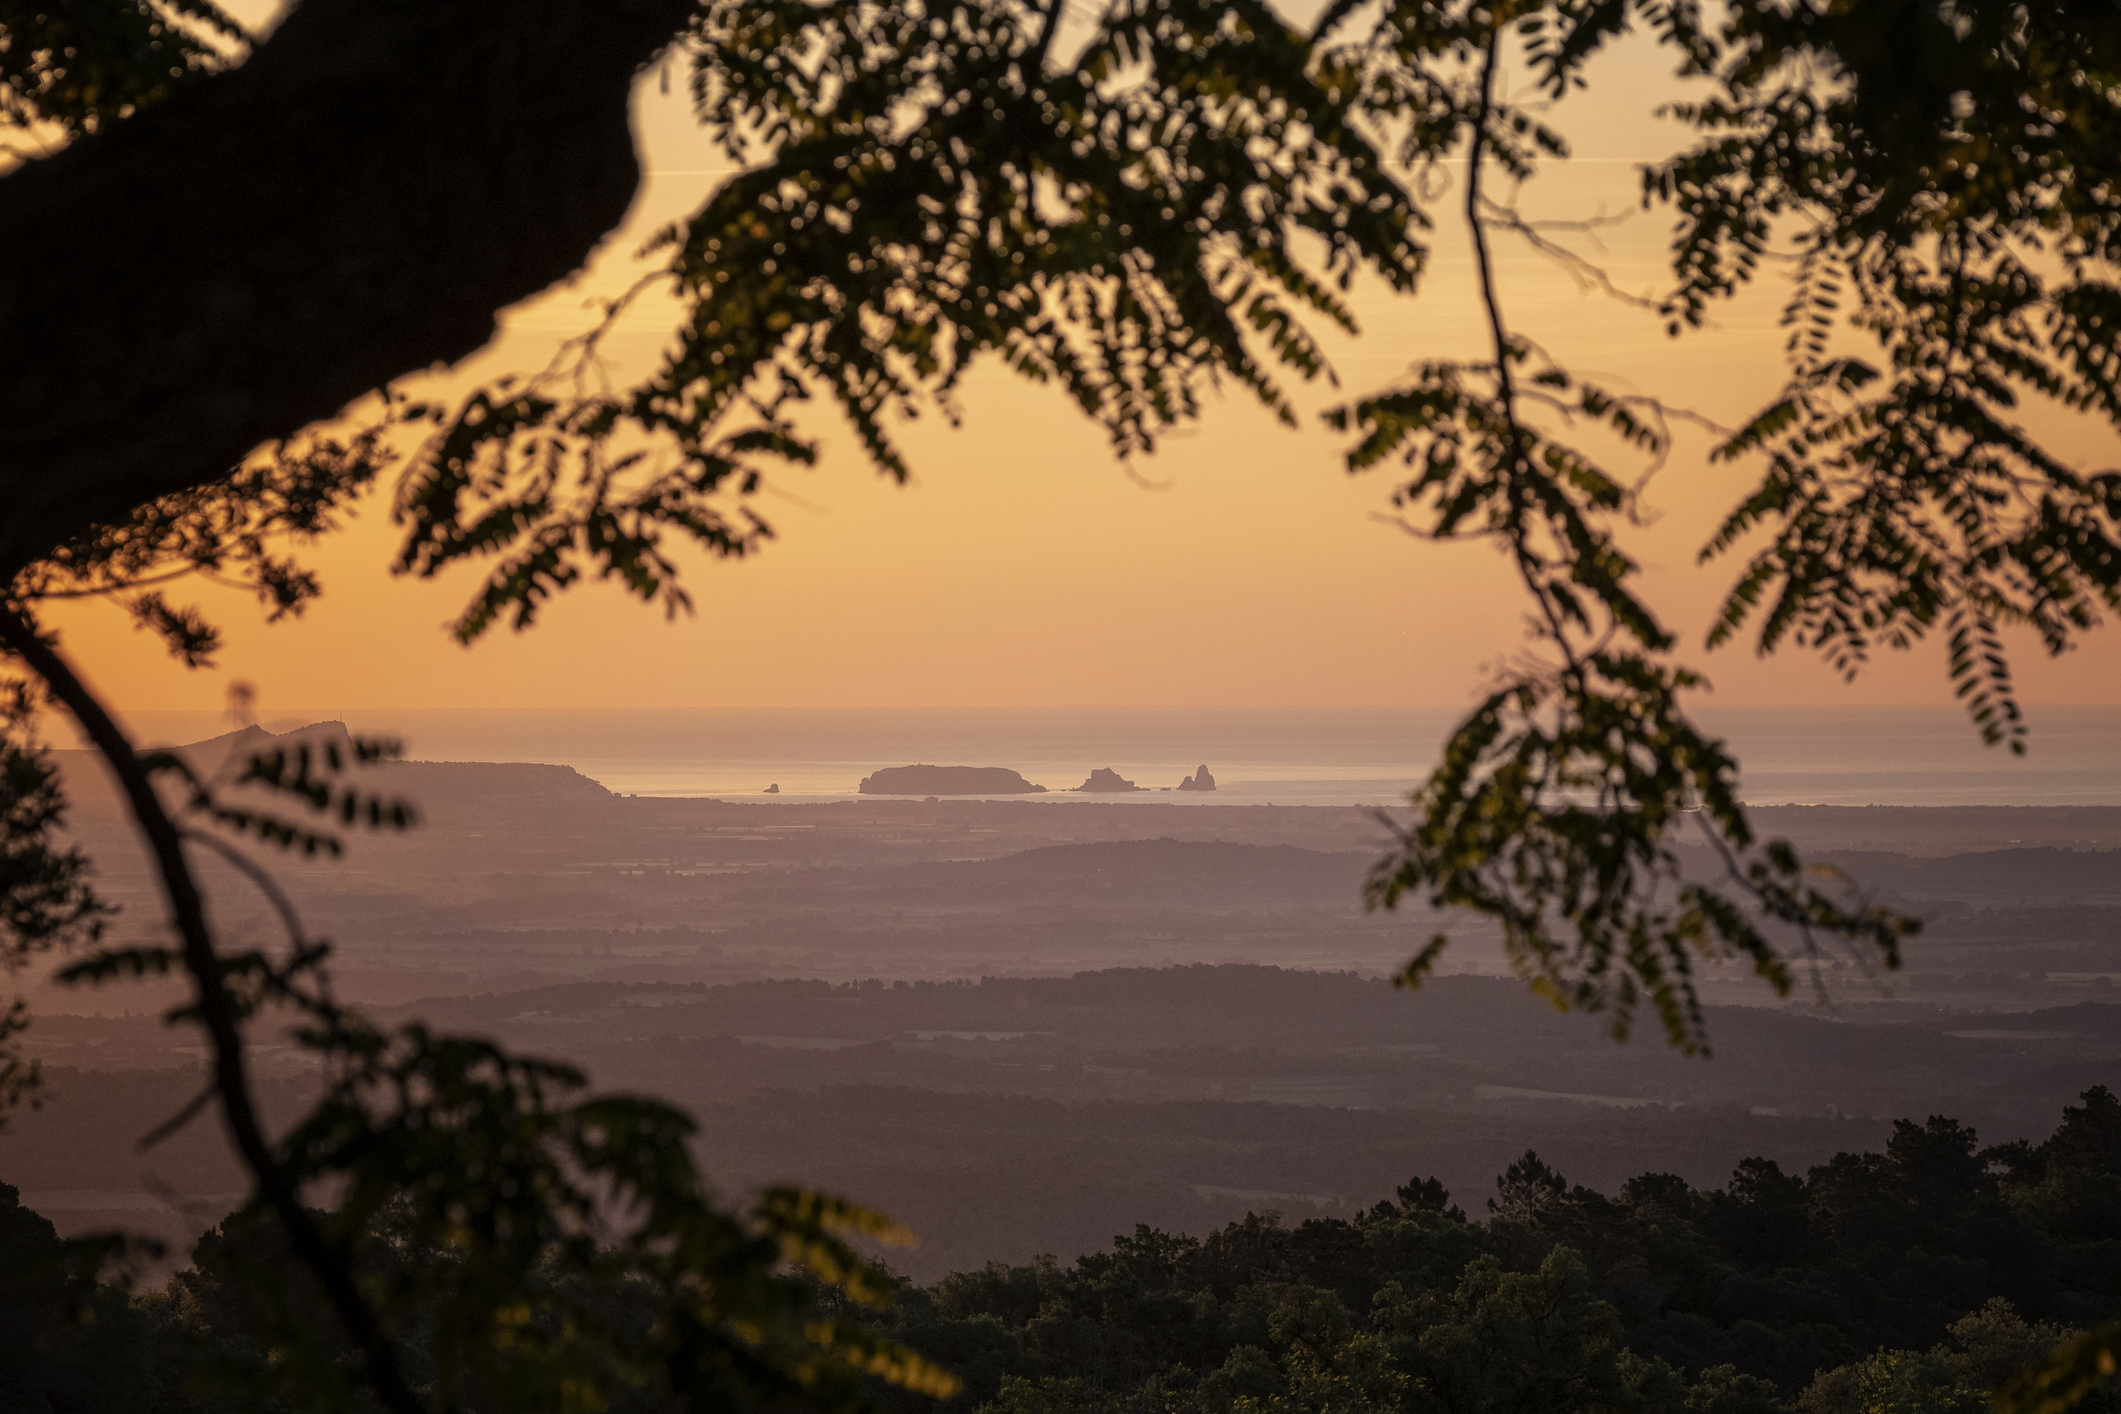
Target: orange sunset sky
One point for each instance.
(1242, 566)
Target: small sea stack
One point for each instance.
(1105, 780)
(1199, 780)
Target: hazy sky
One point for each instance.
(1024, 567)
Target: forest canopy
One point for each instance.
(1920, 1278)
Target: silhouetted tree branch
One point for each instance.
(352, 203)
(218, 1012)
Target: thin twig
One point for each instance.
(274, 894)
(38, 596)
(1475, 155)
(1505, 386)
(176, 1121)
(1587, 274)
(1586, 224)
(1812, 950)
(1401, 523)
(322, 1005)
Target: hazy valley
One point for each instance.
(1024, 1026)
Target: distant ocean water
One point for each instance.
(1310, 756)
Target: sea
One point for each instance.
(1841, 755)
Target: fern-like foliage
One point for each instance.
(312, 773)
(46, 899)
(927, 185)
(517, 1241)
(1959, 216)
(526, 1244)
(238, 532)
(1562, 802)
(548, 1204)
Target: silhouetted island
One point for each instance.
(1199, 780)
(947, 780)
(1106, 779)
(774, 789)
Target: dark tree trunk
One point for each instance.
(352, 204)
